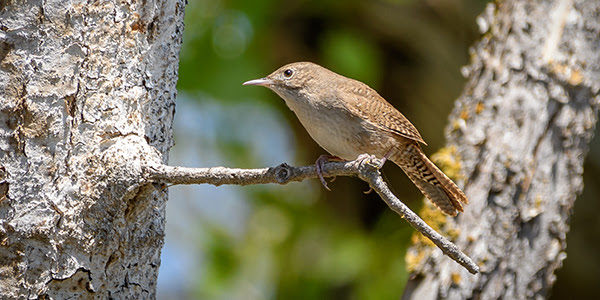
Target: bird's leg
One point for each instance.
(319, 166)
(385, 158)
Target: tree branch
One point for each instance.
(365, 167)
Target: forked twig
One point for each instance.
(365, 167)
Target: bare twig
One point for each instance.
(365, 167)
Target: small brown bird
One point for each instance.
(348, 118)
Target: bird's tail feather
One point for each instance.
(432, 182)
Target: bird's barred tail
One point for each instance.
(432, 182)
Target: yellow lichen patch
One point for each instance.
(572, 75)
(576, 78)
(482, 262)
(422, 246)
(434, 218)
(538, 201)
(464, 114)
(470, 238)
(456, 125)
(453, 233)
(479, 108)
(448, 160)
(455, 278)
(414, 259)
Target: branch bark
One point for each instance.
(365, 167)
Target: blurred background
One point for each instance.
(299, 241)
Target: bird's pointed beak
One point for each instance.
(262, 82)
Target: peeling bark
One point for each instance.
(87, 97)
(522, 128)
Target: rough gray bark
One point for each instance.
(87, 95)
(521, 128)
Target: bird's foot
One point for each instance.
(369, 160)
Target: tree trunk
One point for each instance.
(521, 129)
(87, 96)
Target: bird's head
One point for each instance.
(294, 80)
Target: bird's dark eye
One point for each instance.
(288, 73)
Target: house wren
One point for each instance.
(348, 118)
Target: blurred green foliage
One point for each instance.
(335, 245)
(353, 55)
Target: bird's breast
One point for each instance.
(338, 131)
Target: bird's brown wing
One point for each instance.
(362, 99)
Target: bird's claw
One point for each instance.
(319, 166)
